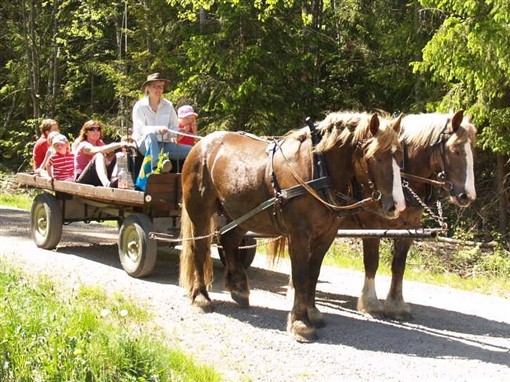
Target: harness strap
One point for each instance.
(287, 194)
(272, 148)
(319, 164)
(261, 207)
(299, 189)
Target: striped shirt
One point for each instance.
(63, 166)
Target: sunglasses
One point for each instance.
(94, 128)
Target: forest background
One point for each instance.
(263, 66)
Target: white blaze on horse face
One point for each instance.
(470, 177)
(398, 194)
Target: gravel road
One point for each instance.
(455, 336)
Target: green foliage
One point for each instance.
(258, 66)
(83, 336)
(469, 54)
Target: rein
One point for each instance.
(437, 183)
(376, 196)
(319, 168)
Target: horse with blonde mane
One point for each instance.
(438, 151)
(271, 188)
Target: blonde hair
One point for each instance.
(46, 124)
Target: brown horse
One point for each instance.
(234, 174)
(439, 148)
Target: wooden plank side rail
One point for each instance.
(101, 194)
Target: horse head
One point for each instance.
(376, 162)
(458, 144)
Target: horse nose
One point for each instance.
(392, 212)
(463, 199)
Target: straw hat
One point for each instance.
(154, 77)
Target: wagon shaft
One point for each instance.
(389, 233)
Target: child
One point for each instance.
(42, 170)
(187, 124)
(61, 162)
(42, 145)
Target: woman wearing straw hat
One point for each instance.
(154, 121)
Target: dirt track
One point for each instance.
(455, 336)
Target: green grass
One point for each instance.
(468, 269)
(48, 335)
(23, 201)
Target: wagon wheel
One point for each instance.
(46, 221)
(247, 254)
(137, 251)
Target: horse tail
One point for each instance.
(276, 249)
(187, 262)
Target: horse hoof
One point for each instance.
(241, 298)
(203, 304)
(316, 317)
(400, 312)
(373, 309)
(302, 333)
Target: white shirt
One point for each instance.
(145, 120)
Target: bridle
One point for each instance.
(362, 163)
(442, 177)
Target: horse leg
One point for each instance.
(368, 302)
(395, 306)
(298, 323)
(319, 249)
(236, 280)
(199, 295)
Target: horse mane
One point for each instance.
(422, 130)
(338, 126)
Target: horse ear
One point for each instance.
(396, 123)
(374, 124)
(457, 120)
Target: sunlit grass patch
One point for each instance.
(82, 336)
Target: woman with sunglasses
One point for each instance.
(94, 161)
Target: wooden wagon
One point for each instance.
(137, 213)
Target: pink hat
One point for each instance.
(59, 138)
(186, 111)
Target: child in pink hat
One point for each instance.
(61, 162)
(187, 125)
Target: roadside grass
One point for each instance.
(82, 335)
(471, 268)
(22, 201)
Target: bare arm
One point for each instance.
(105, 149)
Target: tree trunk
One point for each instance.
(28, 14)
(501, 180)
